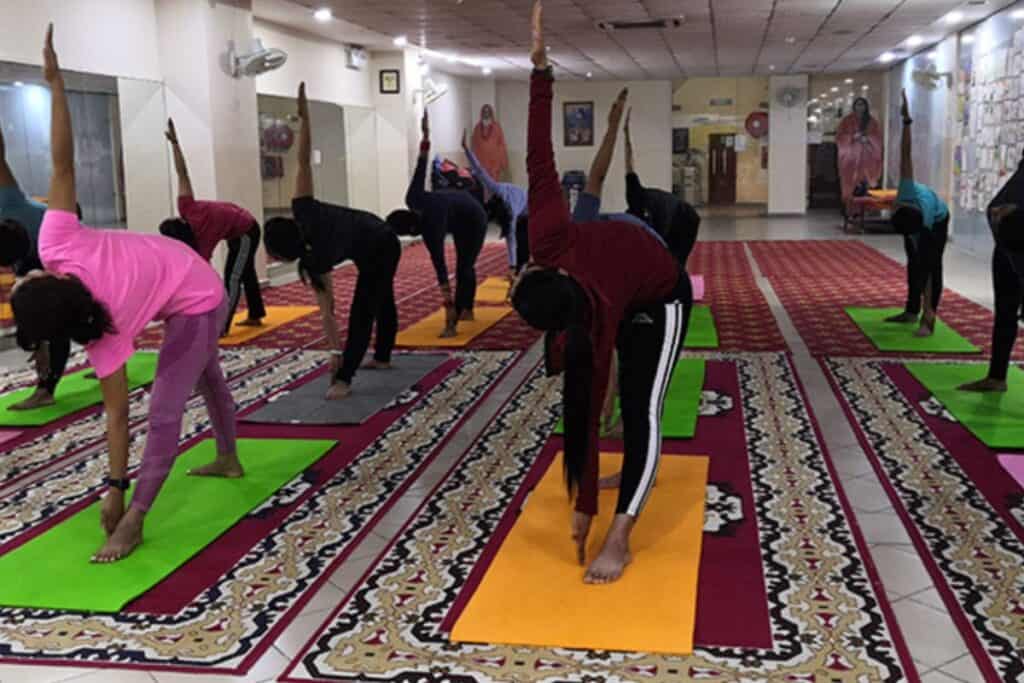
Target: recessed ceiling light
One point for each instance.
(790, 39)
(771, 67)
(886, 57)
(401, 41)
(967, 39)
(323, 15)
(590, 74)
(835, 88)
(487, 71)
(953, 17)
(18, 84)
(848, 81)
(914, 41)
(865, 87)
(933, 55)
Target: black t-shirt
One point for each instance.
(337, 233)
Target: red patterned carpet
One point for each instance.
(823, 259)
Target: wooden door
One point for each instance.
(823, 172)
(722, 169)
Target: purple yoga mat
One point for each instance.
(1014, 464)
(698, 287)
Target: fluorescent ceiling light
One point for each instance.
(933, 55)
(18, 84)
(914, 41)
(954, 17)
(401, 41)
(886, 57)
(323, 15)
(487, 71)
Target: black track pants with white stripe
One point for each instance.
(240, 272)
(649, 343)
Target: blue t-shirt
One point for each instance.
(924, 199)
(16, 206)
(588, 210)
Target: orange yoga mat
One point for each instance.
(425, 332)
(533, 592)
(493, 290)
(276, 317)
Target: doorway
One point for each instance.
(722, 169)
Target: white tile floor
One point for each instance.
(934, 642)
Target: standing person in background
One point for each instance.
(324, 235)
(859, 142)
(924, 218)
(489, 143)
(596, 287)
(507, 204)
(20, 218)
(102, 288)
(435, 215)
(203, 224)
(676, 221)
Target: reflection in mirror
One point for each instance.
(25, 118)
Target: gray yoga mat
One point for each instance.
(372, 391)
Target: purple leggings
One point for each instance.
(188, 360)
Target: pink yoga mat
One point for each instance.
(698, 287)
(1014, 464)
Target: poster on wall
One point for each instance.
(578, 123)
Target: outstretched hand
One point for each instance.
(171, 133)
(905, 107)
(538, 51)
(51, 69)
(303, 103)
(615, 115)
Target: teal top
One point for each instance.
(15, 205)
(923, 198)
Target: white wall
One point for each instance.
(392, 136)
(651, 128)
(787, 151)
(147, 171)
(485, 91)
(95, 36)
(320, 63)
(451, 115)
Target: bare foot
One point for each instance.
(250, 322)
(376, 365)
(448, 332)
(612, 482)
(987, 385)
(467, 316)
(39, 399)
(902, 318)
(226, 466)
(126, 538)
(338, 391)
(614, 556)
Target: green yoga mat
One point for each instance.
(74, 393)
(682, 401)
(996, 419)
(900, 336)
(52, 571)
(701, 333)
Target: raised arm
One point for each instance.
(180, 167)
(62, 148)
(304, 177)
(550, 224)
(416, 195)
(479, 172)
(7, 178)
(599, 169)
(907, 143)
(629, 144)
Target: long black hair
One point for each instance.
(14, 242)
(865, 118)
(555, 303)
(48, 307)
(497, 212)
(179, 229)
(286, 239)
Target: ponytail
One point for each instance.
(577, 389)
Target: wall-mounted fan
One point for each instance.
(789, 97)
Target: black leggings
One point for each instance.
(925, 263)
(59, 350)
(240, 271)
(649, 342)
(1009, 296)
(468, 244)
(374, 299)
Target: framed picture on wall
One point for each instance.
(578, 123)
(390, 81)
(680, 140)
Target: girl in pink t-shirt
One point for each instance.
(102, 288)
